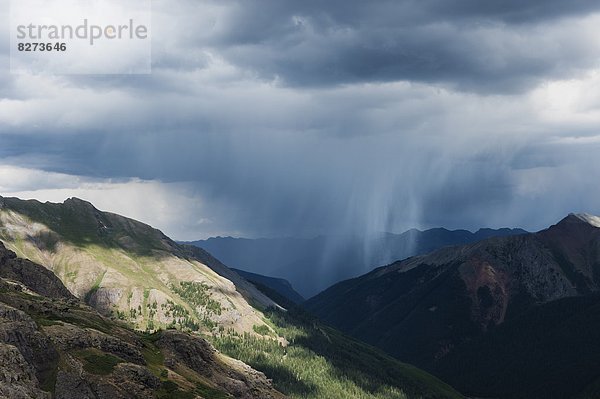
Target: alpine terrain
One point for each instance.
(125, 301)
(52, 345)
(507, 317)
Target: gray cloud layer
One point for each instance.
(480, 46)
(299, 118)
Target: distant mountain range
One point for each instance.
(506, 317)
(312, 265)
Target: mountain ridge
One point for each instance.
(130, 269)
(314, 264)
(426, 309)
(279, 285)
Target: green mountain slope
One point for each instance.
(54, 346)
(321, 362)
(128, 269)
(133, 273)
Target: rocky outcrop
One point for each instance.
(234, 377)
(72, 386)
(136, 379)
(197, 354)
(19, 330)
(68, 337)
(35, 277)
(17, 377)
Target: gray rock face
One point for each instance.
(196, 354)
(241, 381)
(127, 381)
(136, 380)
(72, 386)
(18, 329)
(103, 299)
(69, 337)
(17, 377)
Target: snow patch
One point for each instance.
(590, 219)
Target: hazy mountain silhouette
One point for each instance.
(312, 265)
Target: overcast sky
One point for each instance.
(275, 117)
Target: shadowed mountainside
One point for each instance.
(504, 317)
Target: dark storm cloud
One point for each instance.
(309, 117)
(489, 46)
(293, 185)
(253, 21)
(511, 11)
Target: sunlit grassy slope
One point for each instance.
(129, 270)
(320, 362)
